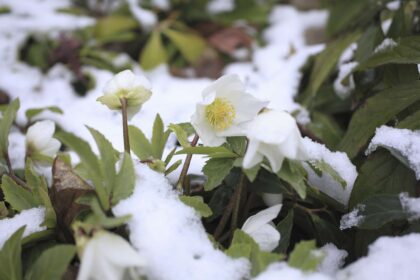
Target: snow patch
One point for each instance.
(387, 44)
(333, 259)
(31, 218)
(411, 206)
(352, 218)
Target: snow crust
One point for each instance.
(31, 218)
(389, 258)
(402, 143)
(411, 205)
(333, 259)
(170, 234)
(283, 271)
(386, 44)
(340, 162)
(353, 218)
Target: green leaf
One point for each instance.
(110, 26)
(125, 180)
(321, 166)
(90, 163)
(6, 122)
(181, 135)
(30, 113)
(189, 44)
(375, 112)
(140, 145)
(285, 227)
(411, 122)
(99, 218)
(237, 144)
(3, 210)
(198, 204)
(216, 169)
(305, 256)
(244, 246)
(153, 53)
(378, 210)
(381, 173)
(108, 159)
(325, 128)
(293, 173)
(10, 257)
(327, 60)
(18, 197)
(173, 167)
(406, 50)
(213, 152)
(159, 137)
(52, 264)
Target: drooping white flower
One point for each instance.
(262, 230)
(274, 135)
(107, 256)
(40, 141)
(225, 109)
(135, 89)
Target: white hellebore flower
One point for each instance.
(274, 135)
(108, 256)
(262, 230)
(135, 89)
(225, 108)
(40, 141)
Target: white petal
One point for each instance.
(271, 199)
(263, 217)
(252, 156)
(246, 105)
(224, 85)
(267, 237)
(40, 133)
(52, 148)
(273, 154)
(125, 79)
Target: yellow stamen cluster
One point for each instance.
(220, 114)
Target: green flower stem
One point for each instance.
(125, 125)
(238, 200)
(181, 182)
(12, 173)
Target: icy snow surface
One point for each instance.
(411, 206)
(402, 143)
(170, 234)
(31, 218)
(389, 258)
(333, 259)
(340, 162)
(352, 218)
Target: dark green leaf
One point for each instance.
(140, 145)
(18, 197)
(189, 44)
(153, 53)
(375, 112)
(6, 122)
(293, 173)
(125, 180)
(285, 227)
(159, 138)
(216, 169)
(213, 152)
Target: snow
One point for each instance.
(147, 19)
(333, 259)
(170, 234)
(31, 218)
(386, 45)
(404, 144)
(283, 271)
(220, 6)
(411, 206)
(344, 71)
(352, 218)
(389, 258)
(340, 162)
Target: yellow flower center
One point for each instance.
(220, 114)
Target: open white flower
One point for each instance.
(108, 256)
(274, 135)
(135, 89)
(262, 230)
(40, 141)
(225, 108)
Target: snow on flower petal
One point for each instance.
(274, 135)
(261, 229)
(39, 139)
(225, 109)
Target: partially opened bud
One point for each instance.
(125, 85)
(39, 140)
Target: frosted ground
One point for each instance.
(154, 206)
